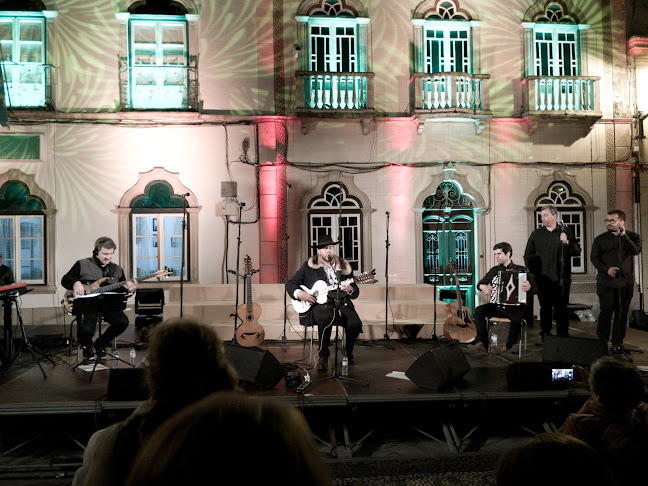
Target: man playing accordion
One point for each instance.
(506, 289)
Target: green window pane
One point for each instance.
(20, 147)
(6, 30)
(31, 30)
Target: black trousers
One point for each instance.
(613, 300)
(324, 318)
(88, 325)
(514, 313)
(553, 297)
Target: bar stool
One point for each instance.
(499, 320)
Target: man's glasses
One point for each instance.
(610, 220)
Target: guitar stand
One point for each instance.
(302, 388)
(32, 349)
(99, 304)
(625, 352)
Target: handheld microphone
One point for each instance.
(187, 194)
(387, 213)
(330, 260)
(242, 204)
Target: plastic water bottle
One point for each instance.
(115, 348)
(493, 335)
(133, 355)
(345, 366)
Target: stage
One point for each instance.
(476, 413)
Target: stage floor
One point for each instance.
(45, 422)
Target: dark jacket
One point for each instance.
(312, 271)
(90, 270)
(6, 275)
(545, 253)
(610, 250)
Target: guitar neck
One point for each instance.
(115, 286)
(248, 293)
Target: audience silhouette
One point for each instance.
(229, 433)
(186, 362)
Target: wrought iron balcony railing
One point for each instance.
(145, 87)
(29, 85)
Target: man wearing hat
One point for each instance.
(325, 265)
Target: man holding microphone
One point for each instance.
(612, 254)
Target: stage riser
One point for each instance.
(295, 332)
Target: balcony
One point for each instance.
(29, 85)
(146, 87)
(451, 96)
(334, 95)
(560, 98)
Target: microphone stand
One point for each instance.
(182, 257)
(386, 336)
(236, 272)
(337, 310)
(285, 296)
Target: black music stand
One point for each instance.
(99, 304)
(336, 296)
(12, 298)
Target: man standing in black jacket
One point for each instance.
(490, 285)
(612, 254)
(548, 257)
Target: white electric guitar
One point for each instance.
(320, 290)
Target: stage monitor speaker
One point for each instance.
(127, 384)
(582, 351)
(437, 367)
(256, 368)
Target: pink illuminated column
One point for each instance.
(272, 198)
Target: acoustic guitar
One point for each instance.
(320, 290)
(96, 288)
(458, 326)
(250, 332)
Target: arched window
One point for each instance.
(27, 230)
(150, 225)
(336, 213)
(571, 212)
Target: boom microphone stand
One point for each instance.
(285, 296)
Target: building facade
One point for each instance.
(427, 129)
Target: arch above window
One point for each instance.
(189, 6)
(555, 12)
(441, 10)
(331, 8)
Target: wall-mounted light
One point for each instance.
(297, 53)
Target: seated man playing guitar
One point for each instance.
(515, 313)
(326, 266)
(87, 271)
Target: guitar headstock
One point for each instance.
(247, 265)
(163, 273)
(366, 277)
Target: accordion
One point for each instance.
(507, 288)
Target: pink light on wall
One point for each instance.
(401, 136)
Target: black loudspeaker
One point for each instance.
(127, 384)
(582, 351)
(256, 368)
(438, 367)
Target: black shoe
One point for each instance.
(616, 350)
(322, 364)
(542, 338)
(351, 358)
(88, 352)
(99, 348)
